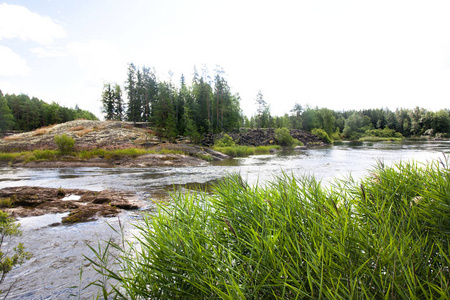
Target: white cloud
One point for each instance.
(19, 22)
(11, 64)
(101, 61)
(45, 52)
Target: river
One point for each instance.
(58, 252)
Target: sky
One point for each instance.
(340, 55)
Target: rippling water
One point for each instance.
(58, 251)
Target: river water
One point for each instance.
(58, 252)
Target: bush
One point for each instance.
(226, 141)
(9, 228)
(336, 136)
(383, 237)
(284, 137)
(64, 143)
(322, 135)
(386, 133)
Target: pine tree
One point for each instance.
(119, 108)
(163, 115)
(108, 101)
(261, 110)
(134, 105)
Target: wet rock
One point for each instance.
(88, 206)
(299, 148)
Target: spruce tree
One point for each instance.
(108, 101)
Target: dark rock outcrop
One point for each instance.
(263, 137)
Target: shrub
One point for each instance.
(336, 136)
(322, 135)
(385, 236)
(385, 133)
(226, 141)
(64, 143)
(8, 229)
(283, 137)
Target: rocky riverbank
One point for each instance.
(263, 137)
(107, 135)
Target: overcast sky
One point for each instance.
(334, 54)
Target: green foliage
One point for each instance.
(163, 113)
(322, 135)
(112, 102)
(236, 151)
(6, 117)
(283, 137)
(336, 136)
(386, 133)
(190, 128)
(9, 157)
(243, 151)
(9, 228)
(64, 143)
(356, 125)
(266, 149)
(385, 237)
(32, 113)
(225, 141)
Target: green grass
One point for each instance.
(242, 151)
(384, 237)
(380, 139)
(49, 155)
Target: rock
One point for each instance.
(218, 156)
(262, 137)
(35, 201)
(299, 148)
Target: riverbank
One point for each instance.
(58, 252)
(100, 144)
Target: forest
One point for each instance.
(209, 106)
(22, 113)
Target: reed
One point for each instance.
(386, 236)
(242, 151)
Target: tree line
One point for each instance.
(208, 106)
(354, 124)
(22, 113)
(191, 110)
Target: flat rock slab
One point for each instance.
(82, 205)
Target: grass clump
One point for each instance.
(9, 157)
(236, 151)
(266, 149)
(242, 151)
(384, 237)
